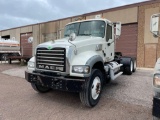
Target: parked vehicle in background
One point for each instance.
(9, 47)
(83, 61)
(12, 49)
(154, 28)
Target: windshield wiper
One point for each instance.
(66, 35)
(84, 34)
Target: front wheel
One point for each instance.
(39, 88)
(92, 89)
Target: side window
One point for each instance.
(109, 32)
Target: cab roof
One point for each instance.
(102, 19)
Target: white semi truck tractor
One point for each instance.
(83, 61)
(154, 28)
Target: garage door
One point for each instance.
(26, 48)
(127, 44)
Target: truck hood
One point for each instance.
(79, 41)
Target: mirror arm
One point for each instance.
(155, 35)
(113, 40)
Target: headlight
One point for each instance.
(31, 64)
(81, 69)
(156, 80)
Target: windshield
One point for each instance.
(88, 28)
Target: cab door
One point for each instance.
(109, 46)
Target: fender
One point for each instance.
(156, 71)
(88, 58)
(32, 59)
(125, 61)
(92, 61)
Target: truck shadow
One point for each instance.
(59, 98)
(68, 99)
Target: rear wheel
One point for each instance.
(134, 65)
(40, 88)
(92, 89)
(129, 69)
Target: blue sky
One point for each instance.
(14, 13)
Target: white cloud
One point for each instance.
(15, 13)
(14, 21)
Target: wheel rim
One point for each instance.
(135, 65)
(4, 57)
(96, 88)
(131, 68)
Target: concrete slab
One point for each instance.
(18, 72)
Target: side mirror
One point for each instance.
(72, 37)
(118, 29)
(154, 25)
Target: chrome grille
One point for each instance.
(52, 60)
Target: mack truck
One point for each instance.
(154, 28)
(83, 61)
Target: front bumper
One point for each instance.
(55, 82)
(156, 107)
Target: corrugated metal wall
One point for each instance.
(26, 48)
(127, 43)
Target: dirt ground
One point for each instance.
(126, 98)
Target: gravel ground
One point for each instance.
(126, 98)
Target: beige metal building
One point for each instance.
(136, 39)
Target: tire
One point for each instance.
(134, 65)
(4, 57)
(1, 57)
(92, 89)
(157, 95)
(155, 118)
(39, 88)
(27, 60)
(129, 69)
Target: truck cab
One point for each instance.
(154, 28)
(83, 61)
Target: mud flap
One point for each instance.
(156, 107)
